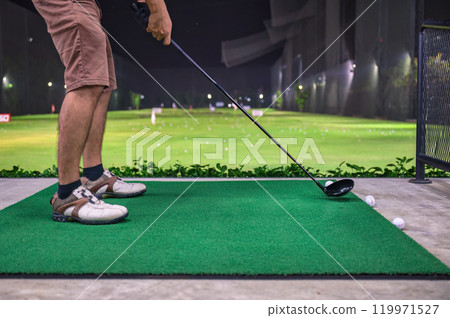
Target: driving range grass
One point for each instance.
(31, 141)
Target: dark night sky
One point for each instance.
(199, 27)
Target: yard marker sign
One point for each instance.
(5, 118)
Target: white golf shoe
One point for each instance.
(111, 185)
(83, 207)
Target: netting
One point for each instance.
(245, 49)
(358, 57)
(435, 116)
(29, 63)
(285, 24)
(287, 11)
(32, 74)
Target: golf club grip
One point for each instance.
(135, 8)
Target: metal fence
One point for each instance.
(433, 111)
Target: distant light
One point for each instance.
(65, 86)
(5, 80)
(354, 66)
(50, 84)
(30, 39)
(407, 58)
(142, 96)
(209, 96)
(10, 85)
(261, 96)
(248, 99)
(300, 87)
(321, 80)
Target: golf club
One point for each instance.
(336, 189)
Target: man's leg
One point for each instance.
(92, 153)
(82, 45)
(75, 120)
(95, 178)
(73, 202)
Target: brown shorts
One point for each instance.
(81, 42)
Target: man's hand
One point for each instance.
(159, 23)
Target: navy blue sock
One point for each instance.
(66, 189)
(93, 173)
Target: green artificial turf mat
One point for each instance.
(214, 228)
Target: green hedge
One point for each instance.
(398, 169)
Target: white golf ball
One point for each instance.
(399, 222)
(370, 200)
(328, 183)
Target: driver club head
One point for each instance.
(339, 188)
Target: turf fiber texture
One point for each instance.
(214, 228)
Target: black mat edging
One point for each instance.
(439, 277)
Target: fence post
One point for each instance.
(420, 166)
(433, 78)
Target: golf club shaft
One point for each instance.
(243, 110)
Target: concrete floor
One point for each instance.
(425, 208)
